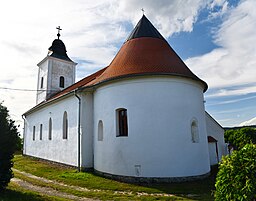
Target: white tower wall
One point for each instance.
(160, 112)
(51, 69)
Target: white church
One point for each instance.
(140, 118)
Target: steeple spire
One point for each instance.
(143, 11)
(58, 48)
(59, 29)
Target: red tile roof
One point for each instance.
(144, 56)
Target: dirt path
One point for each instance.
(46, 190)
(51, 181)
(51, 191)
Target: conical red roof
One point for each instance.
(146, 52)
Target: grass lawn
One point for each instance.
(16, 193)
(200, 190)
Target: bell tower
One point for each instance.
(55, 72)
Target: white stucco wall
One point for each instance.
(86, 130)
(212, 153)
(217, 132)
(58, 149)
(160, 111)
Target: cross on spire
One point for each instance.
(59, 29)
(143, 11)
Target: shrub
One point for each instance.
(236, 179)
(8, 142)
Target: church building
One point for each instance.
(141, 117)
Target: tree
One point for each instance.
(19, 145)
(240, 137)
(236, 179)
(8, 143)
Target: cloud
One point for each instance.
(233, 91)
(249, 122)
(218, 8)
(21, 48)
(233, 63)
(171, 17)
(233, 100)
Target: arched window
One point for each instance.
(42, 82)
(50, 129)
(65, 125)
(100, 131)
(122, 124)
(34, 132)
(41, 132)
(194, 132)
(62, 82)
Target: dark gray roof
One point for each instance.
(145, 28)
(59, 50)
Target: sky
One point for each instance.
(215, 38)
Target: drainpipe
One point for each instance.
(78, 132)
(24, 124)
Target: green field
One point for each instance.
(98, 187)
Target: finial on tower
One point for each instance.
(143, 11)
(59, 29)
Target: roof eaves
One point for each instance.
(46, 102)
(55, 58)
(214, 120)
(149, 74)
(50, 101)
(66, 91)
